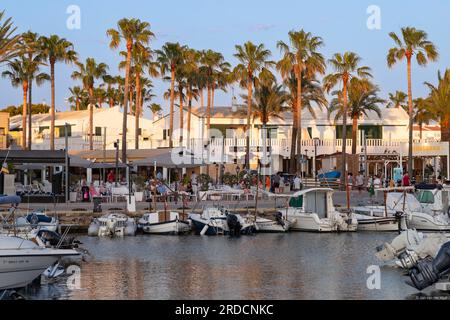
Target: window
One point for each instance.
(42, 129)
(60, 131)
(98, 131)
(166, 134)
(339, 132)
(426, 197)
(372, 132)
(296, 202)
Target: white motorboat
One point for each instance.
(280, 224)
(379, 218)
(219, 221)
(113, 225)
(163, 223)
(418, 217)
(22, 261)
(313, 210)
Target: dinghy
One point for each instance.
(163, 223)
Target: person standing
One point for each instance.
(405, 180)
(350, 181)
(194, 183)
(359, 182)
(297, 183)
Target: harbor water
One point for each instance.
(265, 266)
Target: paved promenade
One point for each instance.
(265, 204)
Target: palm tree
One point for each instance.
(397, 100)
(133, 32)
(9, 43)
(211, 64)
(300, 57)
(439, 103)
(193, 77)
(362, 98)
(253, 59)
(141, 61)
(170, 58)
(19, 75)
(56, 49)
(88, 73)
(30, 47)
(346, 66)
(413, 42)
(77, 97)
(422, 114)
(269, 101)
(155, 109)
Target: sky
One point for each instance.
(220, 25)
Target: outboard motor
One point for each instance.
(279, 218)
(233, 224)
(428, 272)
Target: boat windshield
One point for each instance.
(425, 196)
(296, 202)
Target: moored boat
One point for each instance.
(112, 225)
(22, 261)
(168, 223)
(219, 221)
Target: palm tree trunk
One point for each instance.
(137, 111)
(24, 115)
(130, 110)
(91, 119)
(202, 100)
(420, 130)
(189, 117)
(125, 102)
(411, 121)
(213, 91)
(208, 112)
(52, 109)
(249, 115)
(77, 103)
(344, 138)
(181, 117)
(293, 161)
(172, 102)
(354, 133)
(30, 111)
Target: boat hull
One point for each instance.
(426, 222)
(215, 227)
(175, 227)
(270, 226)
(19, 270)
(378, 224)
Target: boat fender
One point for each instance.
(204, 230)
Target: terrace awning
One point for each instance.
(171, 161)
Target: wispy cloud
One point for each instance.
(262, 27)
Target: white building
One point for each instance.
(321, 135)
(105, 118)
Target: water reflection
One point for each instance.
(278, 266)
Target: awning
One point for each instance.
(171, 161)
